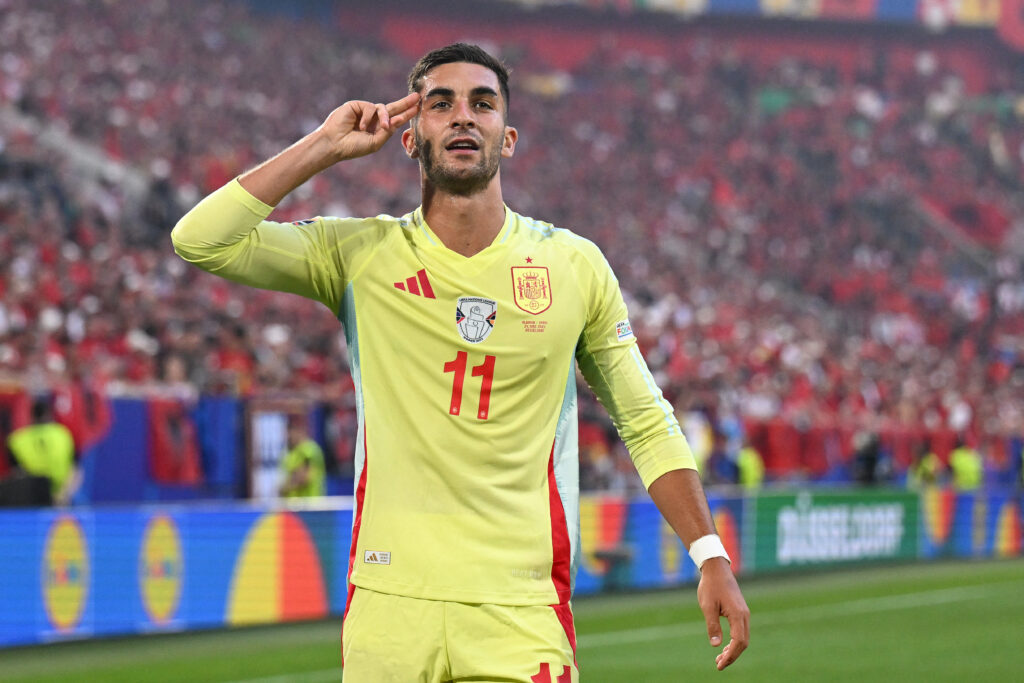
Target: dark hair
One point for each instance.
(459, 52)
(41, 410)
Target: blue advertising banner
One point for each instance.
(971, 524)
(628, 545)
(85, 572)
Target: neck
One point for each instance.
(466, 224)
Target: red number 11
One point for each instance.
(484, 370)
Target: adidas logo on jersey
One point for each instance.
(377, 557)
(418, 284)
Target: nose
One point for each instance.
(462, 114)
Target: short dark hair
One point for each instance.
(42, 411)
(459, 52)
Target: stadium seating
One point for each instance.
(810, 246)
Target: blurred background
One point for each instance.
(814, 208)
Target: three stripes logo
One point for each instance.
(377, 557)
(418, 284)
(544, 675)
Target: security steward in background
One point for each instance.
(966, 467)
(44, 457)
(303, 464)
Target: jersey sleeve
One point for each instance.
(66, 466)
(611, 363)
(227, 234)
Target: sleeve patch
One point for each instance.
(623, 330)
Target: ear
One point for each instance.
(409, 143)
(508, 145)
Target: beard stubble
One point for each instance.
(464, 181)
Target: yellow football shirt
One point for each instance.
(306, 454)
(45, 450)
(466, 466)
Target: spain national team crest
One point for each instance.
(475, 316)
(531, 288)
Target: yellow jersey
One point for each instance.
(45, 450)
(306, 454)
(467, 474)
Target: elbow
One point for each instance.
(180, 248)
(180, 240)
(176, 243)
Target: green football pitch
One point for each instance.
(949, 621)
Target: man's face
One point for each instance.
(460, 135)
(296, 435)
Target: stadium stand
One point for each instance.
(818, 239)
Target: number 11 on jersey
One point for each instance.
(485, 370)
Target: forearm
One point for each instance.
(354, 129)
(295, 480)
(679, 496)
(271, 181)
(70, 487)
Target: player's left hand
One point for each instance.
(719, 596)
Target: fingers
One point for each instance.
(725, 657)
(403, 105)
(730, 654)
(368, 113)
(382, 116)
(398, 120)
(387, 116)
(714, 628)
(402, 111)
(739, 638)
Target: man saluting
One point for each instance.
(466, 526)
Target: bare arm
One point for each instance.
(70, 487)
(680, 498)
(298, 478)
(354, 129)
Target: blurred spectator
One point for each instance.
(804, 243)
(751, 468)
(722, 465)
(965, 466)
(926, 470)
(46, 450)
(302, 467)
(868, 464)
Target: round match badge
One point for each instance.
(474, 317)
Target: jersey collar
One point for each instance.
(427, 237)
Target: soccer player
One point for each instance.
(464, 321)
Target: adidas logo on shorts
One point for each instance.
(376, 557)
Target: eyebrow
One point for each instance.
(448, 92)
(440, 92)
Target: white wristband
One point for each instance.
(706, 547)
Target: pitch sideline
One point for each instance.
(885, 603)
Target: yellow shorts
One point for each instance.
(394, 638)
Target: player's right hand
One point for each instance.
(358, 128)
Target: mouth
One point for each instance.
(462, 145)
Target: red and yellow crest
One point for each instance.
(531, 288)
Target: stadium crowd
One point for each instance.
(808, 253)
